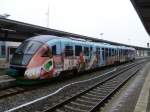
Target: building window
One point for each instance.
(3, 53)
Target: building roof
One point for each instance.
(143, 9)
(11, 30)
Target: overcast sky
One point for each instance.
(116, 19)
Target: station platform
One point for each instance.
(143, 103)
(134, 96)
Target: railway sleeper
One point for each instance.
(58, 110)
(102, 89)
(68, 108)
(110, 84)
(92, 95)
(80, 106)
(98, 93)
(91, 98)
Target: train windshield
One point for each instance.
(24, 52)
(28, 47)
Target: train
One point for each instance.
(45, 57)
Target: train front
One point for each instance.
(27, 62)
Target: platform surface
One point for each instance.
(134, 96)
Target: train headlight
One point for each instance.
(33, 73)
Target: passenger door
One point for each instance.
(98, 53)
(68, 56)
(57, 56)
(87, 55)
(102, 57)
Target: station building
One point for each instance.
(6, 51)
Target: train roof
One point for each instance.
(44, 38)
(47, 38)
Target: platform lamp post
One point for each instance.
(101, 35)
(129, 41)
(148, 45)
(47, 14)
(3, 44)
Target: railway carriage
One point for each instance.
(44, 57)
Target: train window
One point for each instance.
(28, 47)
(98, 50)
(47, 53)
(119, 52)
(78, 50)
(113, 52)
(68, 50)
(103, 53)
(126, 52)
(91, 49)
(109, 52)
(106, 52)
(86, 51)
(54, 50)
(116, 52)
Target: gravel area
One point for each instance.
(19, 99)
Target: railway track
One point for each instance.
(91, 99)
(6, 82)
(88, 99)
(18, 89)
(11, 91)
(15, 89)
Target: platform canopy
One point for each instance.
(11, 30)
(143, 9)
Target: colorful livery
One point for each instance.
(46, 56)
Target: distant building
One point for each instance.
(7, 49)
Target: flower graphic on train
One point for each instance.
(81, 62)
(47, 69)
(47, 66)
(93, 62)
(33, 73)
